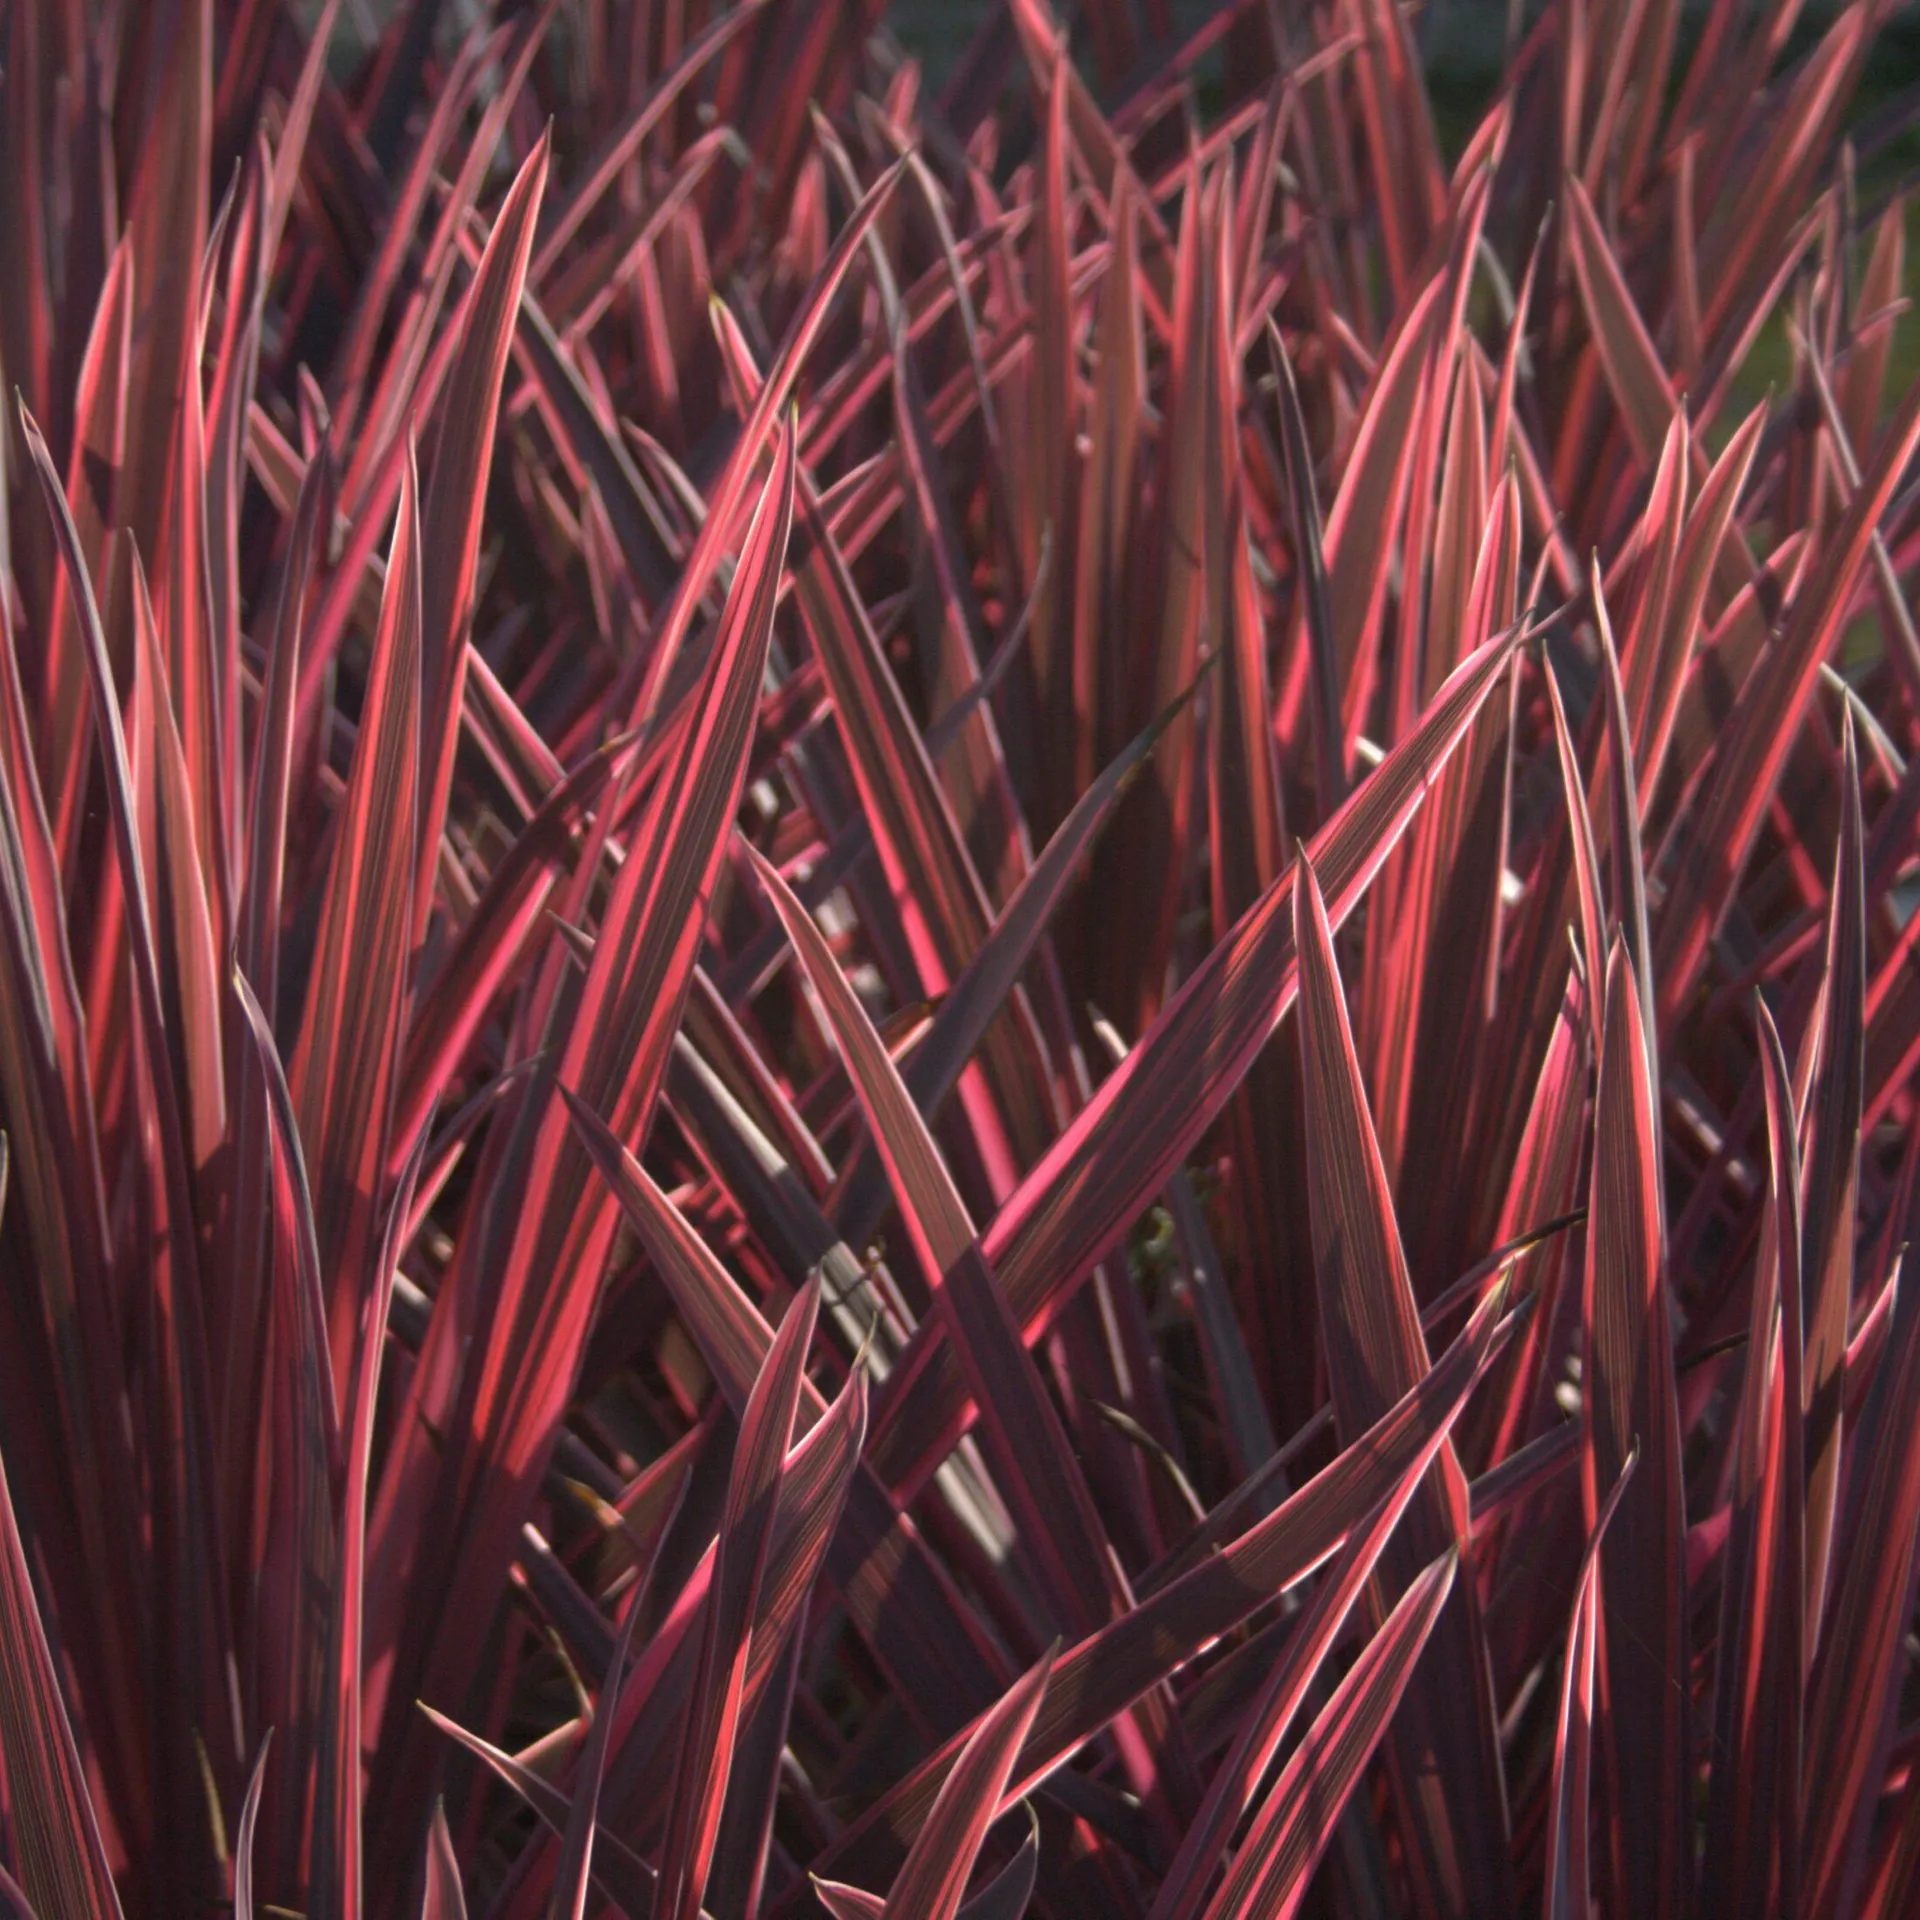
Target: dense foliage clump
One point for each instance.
(962, 1002)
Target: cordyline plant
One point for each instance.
(921, 1006)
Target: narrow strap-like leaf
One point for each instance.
(1569, 1892)
(724, 503)
(99, 437)
(57, 1842)
(1096, 1679)
(183, 927)
(1309, 546)
(1833, 1177)
(1716, 837)
(1639, 382)
(456, 499)
(617, 1870)
(1276, 1860)
(1753, 1814)
(963, 1016)
(894, 1588)
(1630, 1402)
(1268, 1719)
(1005, 1896)
(346, 1061)
(1097, 1176)
(848, 1903)
(243, 1908)
(1043, 1478)
(934, 1877)
(693, 1820)
(1376, 1352)
(1853, 1703)
(1586, 861)
(441, 1897)
(571, 1881)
